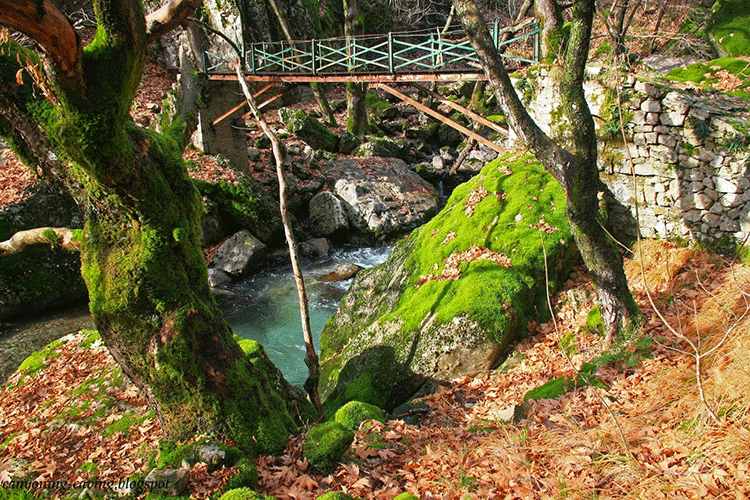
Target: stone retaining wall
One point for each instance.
(689, 151)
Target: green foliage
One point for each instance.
(326, 444)
(704, 74)
(735, 143)
(354, 413)
(594, 322)
(406, 496)
(626, 353)
(561, 385)
(728, 26)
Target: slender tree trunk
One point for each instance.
(356, 93)
(311, 357)
(577, 173)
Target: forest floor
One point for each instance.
(655, 431)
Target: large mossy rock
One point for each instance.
(309, 130)
(454, 293)
(41, 276)
(244, 204)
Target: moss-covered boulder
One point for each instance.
(384, 148)
(309, 130)
(354, 413)
(41, 276)
(326, 444)
(244, 494)
(454, 293)
(245, 205)
(336, 495)
(380, 108)
(727, 27)
(406, 496)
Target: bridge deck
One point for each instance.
(430, 55)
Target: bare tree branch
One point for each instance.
(62, 236)
(169, 16)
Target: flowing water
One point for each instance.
(268, 307)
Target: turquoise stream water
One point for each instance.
(268, 307)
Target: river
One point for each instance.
(265, 309)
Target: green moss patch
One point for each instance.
(708, 74)
(354, 413)
(728, 27)
(244, 494)
(326, 444)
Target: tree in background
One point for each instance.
(66, 110)
(575, 169)
(356, 104)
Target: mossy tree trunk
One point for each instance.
(576, 171)
(356, 103)
(141, 255)
(552, 36)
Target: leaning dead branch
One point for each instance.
(56, 236)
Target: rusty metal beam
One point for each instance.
(474, 116)
(269, 100)
(239, 106)
(440, 117)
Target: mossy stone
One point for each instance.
(727, 27)
(247, 477)
(244, 494)
(407, 322)
(309, 130)
(406, 496)
(336, 495)
(354, 413)
(326, 444)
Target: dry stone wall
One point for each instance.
(686, 154)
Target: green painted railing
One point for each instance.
(392, 53)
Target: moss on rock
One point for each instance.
(406, 496)
(354, 413)
(326, 444)
(309, 130)
(454, 293)
(245, 205)
(336, 495)
(244, 494)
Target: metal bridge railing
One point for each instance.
(392, 53)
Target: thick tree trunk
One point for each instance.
(141, 256)
(356, 93)
(576, 172)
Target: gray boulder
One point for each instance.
(383, 147)
(383, 197)
(327, 215)
(240, 254)
(315, 248)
